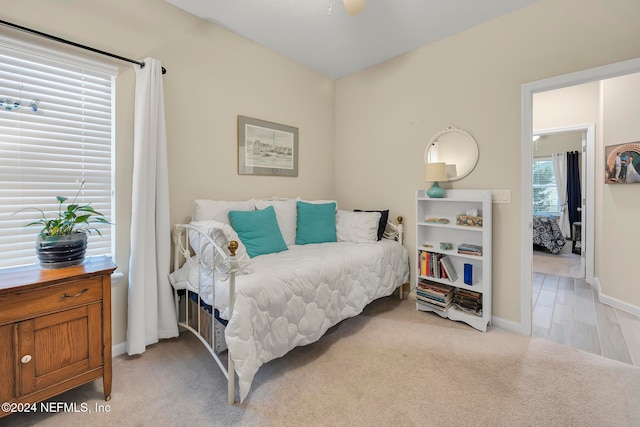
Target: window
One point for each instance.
(56, 129)
(545, 191)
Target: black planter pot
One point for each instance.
(61, 251)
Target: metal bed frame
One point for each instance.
(229, 265)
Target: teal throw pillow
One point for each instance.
(258, 230)
(316, 223)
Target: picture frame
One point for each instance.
(622, 163)
(266, 148)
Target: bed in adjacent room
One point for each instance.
(547, 234)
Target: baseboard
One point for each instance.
(507, 325)
(119, 349)
(614, 302)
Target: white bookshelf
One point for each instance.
(429, 235)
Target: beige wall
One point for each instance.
(386, 114)
(620, 208)
(213, 76)
(361, 138)
(547, 145)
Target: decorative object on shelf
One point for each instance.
(469, 221)
(468, 274)
(266, 148)
(455, 147)
(437, 220)
(444, 246)
(62, 242)
(435, 172)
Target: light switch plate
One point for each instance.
(501, 196)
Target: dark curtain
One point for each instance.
(574, 195)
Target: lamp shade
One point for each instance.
(435, 172)
(354, 7)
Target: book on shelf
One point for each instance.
(423, 263)
(448, 268)
(473, 307)
(430, 264)
(470, 253)
(465, 300)
(438, 298)
(437, 294)
(469, 249)
(468, 293)
(475, 312)
(432, 306)
(439, 289)
(433, 301)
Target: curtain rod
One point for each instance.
(61, 40)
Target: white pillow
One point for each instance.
(286, 215)
(218, 210)
(357, 227)
(222, 234)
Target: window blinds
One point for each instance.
(49, 152)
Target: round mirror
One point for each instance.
(456, 148)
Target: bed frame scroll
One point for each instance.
(222, 262)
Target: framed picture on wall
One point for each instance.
(266, 148)
(622, 163)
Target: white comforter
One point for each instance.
(293, 297)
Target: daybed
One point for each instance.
(547, 233)
(276, 274)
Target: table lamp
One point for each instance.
(435, 172)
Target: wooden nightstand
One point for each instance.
(55, 329)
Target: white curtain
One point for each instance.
(151, 310)
(560, 169)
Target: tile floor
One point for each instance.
(567, 311)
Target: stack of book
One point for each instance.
(434, 295)
(469, 249)
(468, 301)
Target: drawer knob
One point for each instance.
(74, 296)
(26, 359)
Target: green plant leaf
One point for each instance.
(68, 220)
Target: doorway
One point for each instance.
(527, 93)
(575, 256)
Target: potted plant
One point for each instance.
(62, 242)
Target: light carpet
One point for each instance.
(391, 365)
(566, 263)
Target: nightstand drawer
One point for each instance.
(16, 307)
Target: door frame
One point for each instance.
(526, 103)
